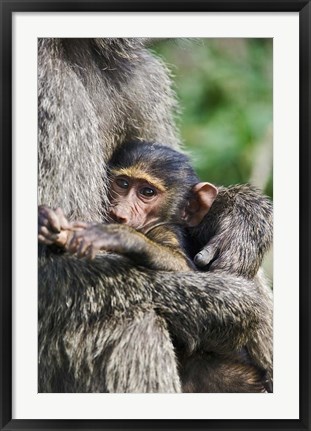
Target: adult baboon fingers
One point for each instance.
(218, 263)
(205, 256)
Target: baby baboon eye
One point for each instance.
(122, 182)
(148, 192)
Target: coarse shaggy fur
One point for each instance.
(106, 325)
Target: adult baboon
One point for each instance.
(105, 325)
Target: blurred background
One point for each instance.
(224, 88)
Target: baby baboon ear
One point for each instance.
(203, 196)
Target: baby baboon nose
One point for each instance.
(121, 220)
(118, 217)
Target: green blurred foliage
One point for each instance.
(224, 88)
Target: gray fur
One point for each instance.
(240, 215)
(82, 323)
(106, 326)
(94, 94)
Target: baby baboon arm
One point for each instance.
(126, 241)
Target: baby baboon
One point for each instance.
(154, 196)
(97, 318)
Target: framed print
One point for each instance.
(147, 309)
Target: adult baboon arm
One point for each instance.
(98, 331)
(210, 310)
(213, 311)
(237, 231)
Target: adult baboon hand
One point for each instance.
(53, 226)
(219, 254)
(207, 254)
(237, 231)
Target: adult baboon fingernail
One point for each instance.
(199, 259)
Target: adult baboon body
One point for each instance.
(106, 325)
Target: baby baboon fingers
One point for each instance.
(46, 233)
(43, 220)
(73, 244)
(53, 221)
(62, 220)
(78, 225)
(44, 240)
(42, 230)
(83, 248)
(61, 238)
(92, 252)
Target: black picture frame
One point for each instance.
(7, 9)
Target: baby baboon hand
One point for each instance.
(52, 226)
(88, 241)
